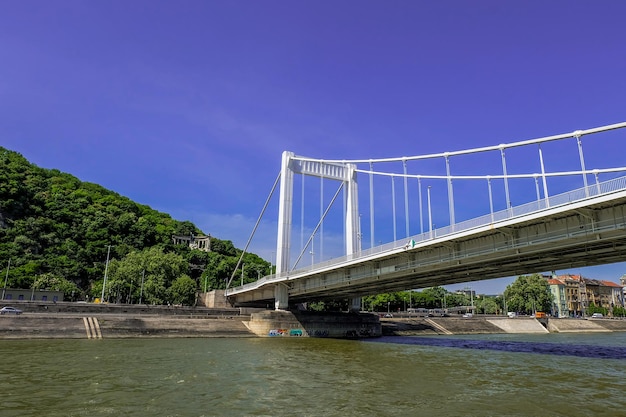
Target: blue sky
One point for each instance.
(187, 106)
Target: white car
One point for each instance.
(10, 310)
(597, 315)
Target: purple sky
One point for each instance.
(186, 106)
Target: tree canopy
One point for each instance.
(528, 294)
(56, 231)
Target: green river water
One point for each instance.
(490, 375)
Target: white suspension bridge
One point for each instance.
(565, 217)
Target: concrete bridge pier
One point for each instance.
(355, 304)
(281, 297)
(273, 323)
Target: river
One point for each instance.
(485, 375)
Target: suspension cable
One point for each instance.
(267, 201)
(318, 225)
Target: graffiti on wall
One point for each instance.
(286, 332)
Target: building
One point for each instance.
(582, 292)
(622, 280)
(14, 294)
(575, 294)
(559, 298)
(201, 242)
(605, 294)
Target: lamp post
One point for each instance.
(106, 271)
(430, 215)
(6, 278)
(143, 274)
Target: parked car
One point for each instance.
(10, 310)
(388, 316)
(468, 315)
(597, 315)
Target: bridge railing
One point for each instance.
(592, 190)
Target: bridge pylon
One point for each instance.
(344, 172)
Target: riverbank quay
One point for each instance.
(494, 324)
(96, 321)
(66, 320)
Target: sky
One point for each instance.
(187, 106)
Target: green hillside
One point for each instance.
(55, 231)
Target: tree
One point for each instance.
(182, 291)
(487, 305)
(53, 282)
(384, 302)
(528, 294)
(157, 269)
(53, 223)
(597, 309)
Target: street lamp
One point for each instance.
(430, 214)
(6, 278)
(143, 275)
(106, 270)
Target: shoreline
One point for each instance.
(497, 324)
(67, 320)
(125, 325)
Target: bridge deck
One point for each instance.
(580, 228)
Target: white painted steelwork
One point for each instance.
(487, 246)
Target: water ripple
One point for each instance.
(544, 348)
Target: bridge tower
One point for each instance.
(344, 172)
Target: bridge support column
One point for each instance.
(281, 297)
(355, 304)
(283, 244)
(353, 226)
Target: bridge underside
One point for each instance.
(580, 235)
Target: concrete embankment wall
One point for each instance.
(87, 320)
(270, 323)
(110, 327)
(89, 309)
(77, 320)
(488, 325)
(261, 324)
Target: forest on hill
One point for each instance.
(57, 232)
